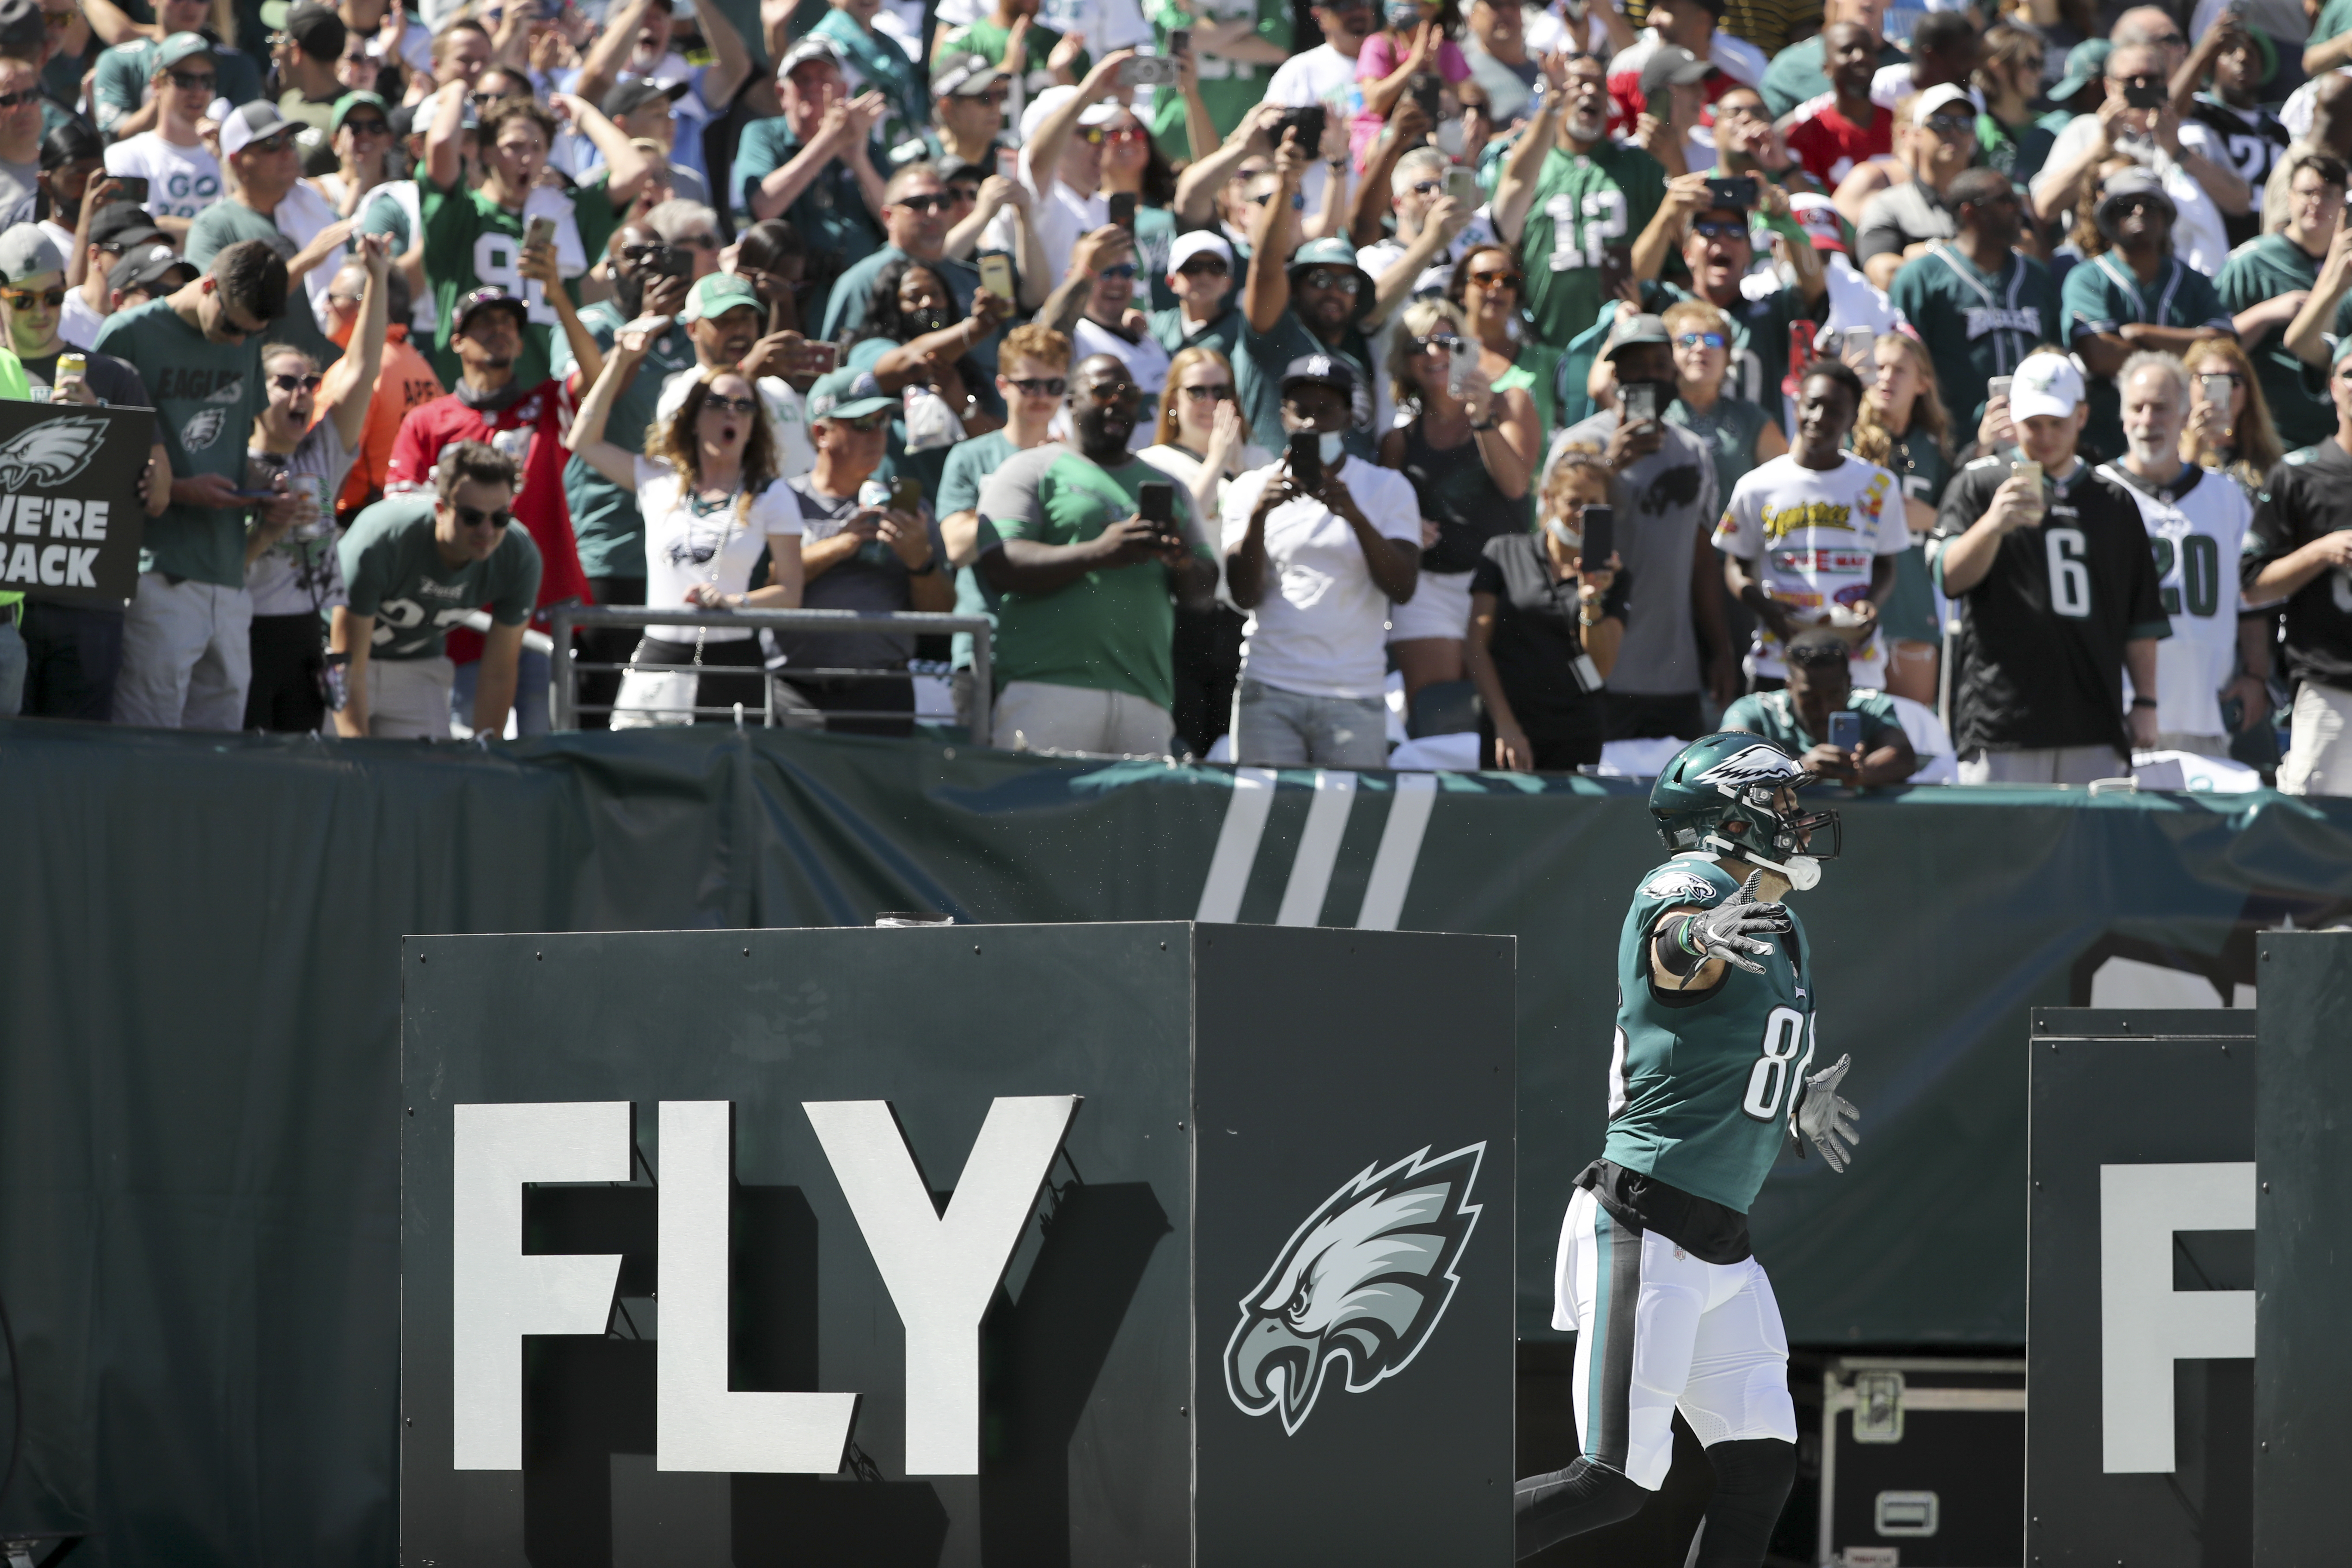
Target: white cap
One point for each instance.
(1052, 99)
(1198, 242)
(1936, 97)
(2045, 384)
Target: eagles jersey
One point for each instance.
(1976, 325)
(1586, 204)
(1702, 1083)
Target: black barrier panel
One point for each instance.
(2303, 1268)
(1178, 1364)
(2155, 1111)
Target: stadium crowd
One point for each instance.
(1571, 377)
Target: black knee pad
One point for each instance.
(1585, 1495)
(1751, 1485)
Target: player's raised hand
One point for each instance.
(1825, 1117)
(1736, 928)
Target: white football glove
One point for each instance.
(1825, 1117)
(1736, 927)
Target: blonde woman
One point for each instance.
(712, 499)
(1903, 429)
(1544, 632)
(1470, 454)
(2229, 424)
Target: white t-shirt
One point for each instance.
(1325, 76)
(2196, 536)
(1060, 217)
(181, 181)
(787, 418)
(1811, 537)
(686, 545)
(78, 323)
(2198, 237)
(1322, 627)
(299, 217)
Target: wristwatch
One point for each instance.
(2139, 701)
(930, 565)
(1489, 425)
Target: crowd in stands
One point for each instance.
(1967, 384)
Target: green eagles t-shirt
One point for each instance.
(471, 242)
(1774, 716)
(604, 520)
(2263, 268)
(206, 396)
(1265, 356)
(1109, 630)
(1701, 1085)
(1975, 325)
(1585, 205)
(395, 574)
(969, 464)
(1223, 333)
(119, 86)
(2103, 293)
(1229, 88)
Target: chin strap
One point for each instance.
(1802, 872)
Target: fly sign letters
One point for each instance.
(940, 1270)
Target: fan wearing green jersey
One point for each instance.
(1715, 1031)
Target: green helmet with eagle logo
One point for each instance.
(1733, 778)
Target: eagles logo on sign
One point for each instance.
(1679, 887)
(203, 428)
(51, 452)
(1760, 763)
(1364, 1280)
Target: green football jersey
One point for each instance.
(1586, 204)
(1700, 1089)
(1975, 325)
(471, 242)
(2263, 268)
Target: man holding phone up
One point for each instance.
(1837, 732)
(1090, 548)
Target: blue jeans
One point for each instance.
(1273, 727)
(530, 713)
(14, 661)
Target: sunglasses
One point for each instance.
(1213, 265)
(746, 407)
(1041, 386)
(1951, 125)
(929, 202)
(475, 517)
(1325, 277)
(1124, 269)
(187, 82)
(1716, 230)
(867, 423)
(1221, 393)
(1297, 203)
(1128, 133)
(1427, 187)
(1093, 135)
(358, 127)
(11, 99)
(1438, 343)
(1699, 340)
(1498, 281)
(295, 383)
(27, 299)
(282, 142)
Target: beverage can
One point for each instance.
(72, 365)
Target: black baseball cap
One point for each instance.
(22, 31)
(121, 225)
(146, 267)
(628, 97)
(71, 140)
(316, 27)
(486, 298)
(1319, 370)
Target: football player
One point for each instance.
(1715, 1031)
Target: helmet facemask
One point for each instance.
(1778, 837)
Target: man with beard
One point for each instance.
(610, 534)
(1677, 642)
(1085, 626)
(525, 423)
(1717, 249)
(1572, 200)
(1898, 224)
(2135, 297)
(1977, 305)
(1842, 128)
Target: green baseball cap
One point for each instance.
(180, 47)
(847, 394)
(717, 294)
(351, 100)
(2086, 62)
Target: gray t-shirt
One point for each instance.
(1666, 503)
(1901, 215)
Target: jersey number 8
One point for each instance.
(1769, 1079)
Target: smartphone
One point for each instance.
(1156, 504)
(1148, 70)
(996, 273)
(1998, 388)
(1457, 371)
(1180, 42)
(1599, 524)
(1845, 730)
(1304, 457)
(1854, 341)
(906, 495)
(538, 231)
(1008, 163)
(1309, 122)
(1122, 209)
(134, 188)
(822, 356)
(1638, 401)
(2217, 389)
(1616, 271)
(1461, 185)
(2030, 469)
(2146, 92)
(665, 261)
(1425, 86)
(1738, 194)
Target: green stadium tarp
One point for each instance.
(200, 1004)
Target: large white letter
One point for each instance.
(497, 1294)
(941, 1271)
(698, 1425)
(2144, 1325)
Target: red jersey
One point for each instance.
(1830, 145)
(529, 430)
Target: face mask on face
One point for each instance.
(1566, 535)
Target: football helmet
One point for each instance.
(1732, 778)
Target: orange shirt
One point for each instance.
(405, 382)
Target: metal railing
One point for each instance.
(567, 667)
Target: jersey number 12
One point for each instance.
(1769, 1079)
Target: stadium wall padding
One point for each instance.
(200, 1002)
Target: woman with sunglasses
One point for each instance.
(1488, 288)
(1471, 453)
(1903, 428)
(303, 442)
(2228, 424)
(713, 504)
(361, 131)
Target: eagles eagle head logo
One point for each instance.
(51, 452)
(1760, 763)
(1364, 1281)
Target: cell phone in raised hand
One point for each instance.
(1155, 503)
(1638, 401)
(996, 273)
(1735, 194)
(1122, 209)
(1148, 70)
(1599, 526)
(1461, 185)
(134, 188)
(1303, 458)
(538, 231)
(1845, 730)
